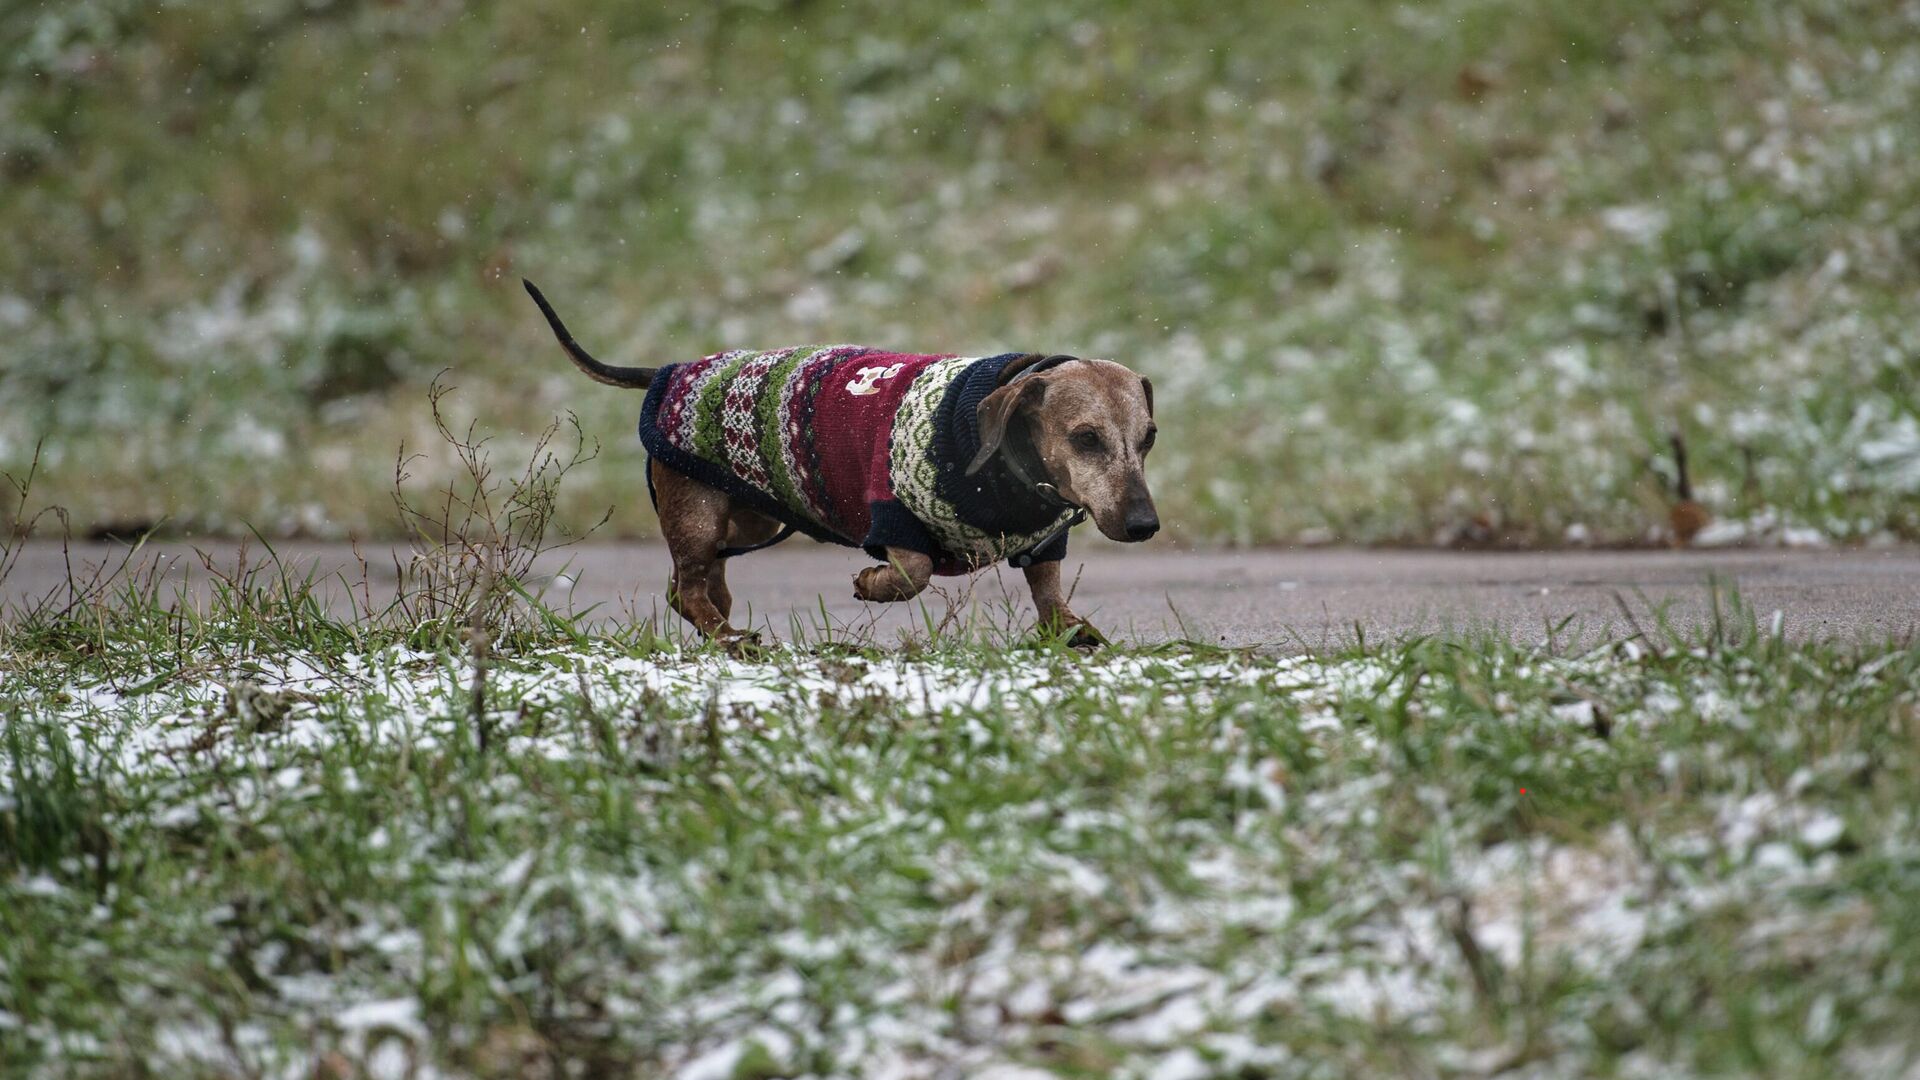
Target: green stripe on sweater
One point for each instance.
(766, 420)
(709, 435)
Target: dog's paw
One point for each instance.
(742, 644)
(1074, 632)
(1086, 637)
(877, 585)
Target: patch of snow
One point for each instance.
(1641, 224)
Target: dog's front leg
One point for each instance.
(1055, 617)
(906, 573)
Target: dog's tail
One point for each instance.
(632, 378)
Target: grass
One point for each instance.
(251, 837)
(1446, 272)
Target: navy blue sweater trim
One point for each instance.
(1052, 551)
(894, 526)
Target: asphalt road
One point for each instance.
(1284, 600)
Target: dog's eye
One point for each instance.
(1088, 441)
(1146, 444)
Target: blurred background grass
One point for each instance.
(1441, 272)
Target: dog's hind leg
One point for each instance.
(906, 573)
(717, 590)
(745, 529)
(693, 520)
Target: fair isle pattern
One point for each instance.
(752, 414)
(795, 405)
(737, 429)
(771, 421)
(709, 401)
(916, 475)
(681, 412)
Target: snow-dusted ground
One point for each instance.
(988, 938)
(415, 694)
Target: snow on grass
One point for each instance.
(1150, 865)
(417, 694)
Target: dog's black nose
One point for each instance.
(1142, 523)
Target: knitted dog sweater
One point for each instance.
(853, 445)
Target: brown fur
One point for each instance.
(1090, 421)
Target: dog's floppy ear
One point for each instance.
(997, 411)
(1018, 380)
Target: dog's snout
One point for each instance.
(1142, 523)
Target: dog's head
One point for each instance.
(1090, 423)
